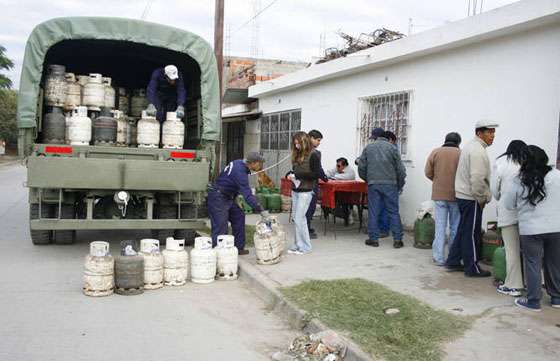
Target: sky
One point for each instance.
(288, 29)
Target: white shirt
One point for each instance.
(347, 174)
(504, 172)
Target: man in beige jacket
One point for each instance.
(472, 189)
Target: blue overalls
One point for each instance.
(165, 96)
(222, 207)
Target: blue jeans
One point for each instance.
(384, 223)
(466, 245)
(444, 211)
(386, 195)
(312, 206)
(300, 205)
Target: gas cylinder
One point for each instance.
(424, 232)
(131, 133)
(94, 92)
(227, 254)
(109, 93)
(147, 134)
(82, 80)
(79, 127)
(54, 127)
(153, 263)
(129, 271)
(491, 240)
(123, 101)
(268, 244)
(173, 132)
(98, 271)
(286, 203)
(203, 261)
(261, 198)
(175, 262)
(274, 202)
(73, 92)
(138, 102)
(55, 85)
(499, 264)
(122, 127)
(280, 233)
(105, 128)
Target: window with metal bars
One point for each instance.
(277, 129)
(387, 111)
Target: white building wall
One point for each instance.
(514, 79)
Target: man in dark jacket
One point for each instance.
(316, 137)
(381, 167)
(222, 207)
(166, 93)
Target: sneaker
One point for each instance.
(243, 252)
(398, 244)
(524, 303)
(480, 274)
(454, 268)
(383, 234)
(295, 251)
(372, 242)
(313, 235)
(555, 302)
(514, 292)
(439, 264)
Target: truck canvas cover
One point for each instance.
(51, 32)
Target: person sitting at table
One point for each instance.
(342, 171)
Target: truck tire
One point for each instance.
(165, 211)
(187, 212)
(40, 237)
(65, 237)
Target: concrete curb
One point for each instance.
(266, 289)
(10, 163)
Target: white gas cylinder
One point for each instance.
(173, 132)
(123, 100)
(268, 244)
(122, 127)
(94, 92)
(203, 261)
(82, 80)
(227, 255)
(153, 263)
(280, 233)
(79, 127)
(109, 93)
(147, 132)
(73, 92)
(175, 262)
(99, 268)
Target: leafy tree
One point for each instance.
(8, 125)
(5, 64)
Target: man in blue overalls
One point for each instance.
(222, 207)
(166, 93)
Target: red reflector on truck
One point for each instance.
(57, 149)
(183, 155)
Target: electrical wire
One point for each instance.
(147, 9)
(255, 16)
(272, 166)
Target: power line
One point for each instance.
(147, 9)
(255, 16)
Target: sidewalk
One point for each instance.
(501, 331)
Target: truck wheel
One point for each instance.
(65, 237)
(40, 237)
(165, 211)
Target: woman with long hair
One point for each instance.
(505, 171)
(306, 165)
(535, 194)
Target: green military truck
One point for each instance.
(89, 187)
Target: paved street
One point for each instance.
(44, 315)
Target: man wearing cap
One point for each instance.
(166, 93)
(472, 190)
(381, 167)
(222, 207)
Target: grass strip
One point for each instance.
(356, 309)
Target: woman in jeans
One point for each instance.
(505, 171)
(306, 171)
(535, 194)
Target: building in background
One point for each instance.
(503, 65)
(241, 128)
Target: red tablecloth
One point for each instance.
(348, 192)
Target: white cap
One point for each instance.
(486, 123)
(171, 72)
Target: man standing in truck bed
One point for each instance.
(166, 93)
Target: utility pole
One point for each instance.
(219, 53)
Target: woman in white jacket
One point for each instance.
(506, 169)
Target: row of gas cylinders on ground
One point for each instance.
(67, 91)
(111, 127)
(131, 272)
